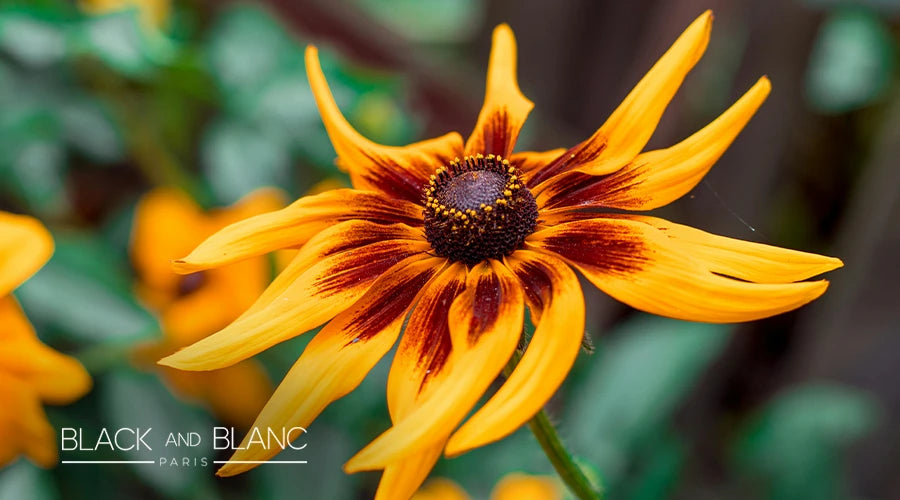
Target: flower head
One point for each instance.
(168, 224)
(461, 237)
(30, 372)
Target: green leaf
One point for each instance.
(852, 61)
(88, 127)
(138, 400)
(32, 157)
(123, 43)
(795, 445)
(248, 46)
(635, 383)
(326, 451)
(30, 38)
(72, 294)
(238, 159)
(428, 20)
(24, 480)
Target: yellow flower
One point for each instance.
(168, 224)
(30, 372)
(461, 237)
(152, 13)
(515, 486)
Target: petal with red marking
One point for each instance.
(657, 178)
(399, 172)
(340, 356)
(505, 108)
(627, 130)
(295, 225)
(637, 264)
(557, 304)
(318, 293)
(485, 322)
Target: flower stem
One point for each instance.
(569, 471)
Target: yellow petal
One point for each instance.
(25, 245)
(403, 478)
(532, 161)
(630, 126)
(340, 356)
(741, 259)
(425, 344)
(399, 172)
(656, 178)
(24, 428)
(557, 304)
(637, 264)
(295, 225)
(505, 108)
(156, 240)
(441, 489)
(517, 486)
(485, 324)
(53, 376)
(316, 295)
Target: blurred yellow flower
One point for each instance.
(30, 372)
(167, 224)
(152, 13)
(515, 486)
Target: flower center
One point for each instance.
(477, 209)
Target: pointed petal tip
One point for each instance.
(182, 266)
(182, 360)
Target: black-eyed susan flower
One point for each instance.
(513, 486)
(167, 224)
(30, 372)
(460, 237)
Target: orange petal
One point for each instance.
(485, 324)
(630, 126)
(24, 428)
(656, 178)
(399, 172)
(442, 489)
(156, 240)
(53, 376)
(518, 486)
(295, 225)
(505, 108)
(741, 259)
(25, 245)
(340, 356)
(403, 478)
(317, 294)
(532, 161)
(637, 264)
(556, 301)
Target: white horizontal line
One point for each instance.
(259, 461)
(108, 462)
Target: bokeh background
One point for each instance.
(99, 106)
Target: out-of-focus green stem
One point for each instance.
(569, 471)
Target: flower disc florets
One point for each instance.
(477, 208)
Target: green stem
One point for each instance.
(563, 461)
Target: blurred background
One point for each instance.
(104, 101)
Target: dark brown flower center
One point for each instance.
(477, 208)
